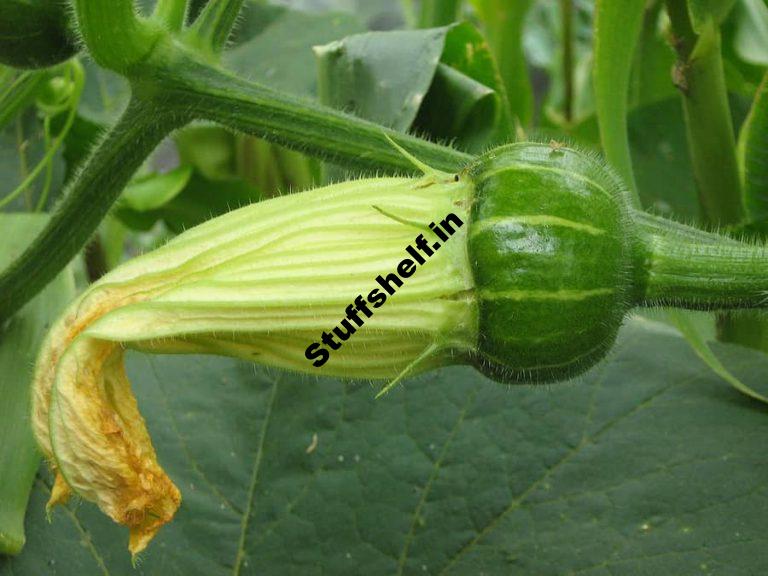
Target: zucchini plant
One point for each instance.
(521, 257)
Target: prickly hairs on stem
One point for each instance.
(532, 287)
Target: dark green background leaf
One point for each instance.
(649, 464)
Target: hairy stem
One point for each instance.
(214, 25)
(171, 14)
(689, 268)
(214, 94)
(85, 204)
(115, 35)
(700, 77)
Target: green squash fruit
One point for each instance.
(551, 243)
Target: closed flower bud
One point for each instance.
(333, 269)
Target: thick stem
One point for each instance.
(85, 203)
(688, 268)
(115, 35)
(213, 94)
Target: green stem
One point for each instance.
(409, 13)
(78, 81)
(700, 77)
(20, 94)
(617, 29)
(43, 199)
(566, 11)
(85, 203)
(171, 14)
(697, 270)
(214, 25)
(439, 12)
(214, 94)
(504, 22)
(115, 35)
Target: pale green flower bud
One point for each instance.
(263, 283)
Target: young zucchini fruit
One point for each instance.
(523, 265)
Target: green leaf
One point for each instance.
(653, 63)
(751, 41)
(281, 56)
(704, 11)
(153, 191)
(503, 23)
(201, 199)
(465, 99)
(658, 143)
(544, 46)
(698, 342)
(145, 195)
(105, 95)
(458, 107)
(365, 74)
(209, 149)
(439, 12)
(753, 159)
(19, 343)
(646, 465)
(617, 28)
(662, 164)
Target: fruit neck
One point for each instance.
(688, 268)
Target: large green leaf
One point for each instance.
(451, 87)
(648, 464)
(20, 339)
(281, 55)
